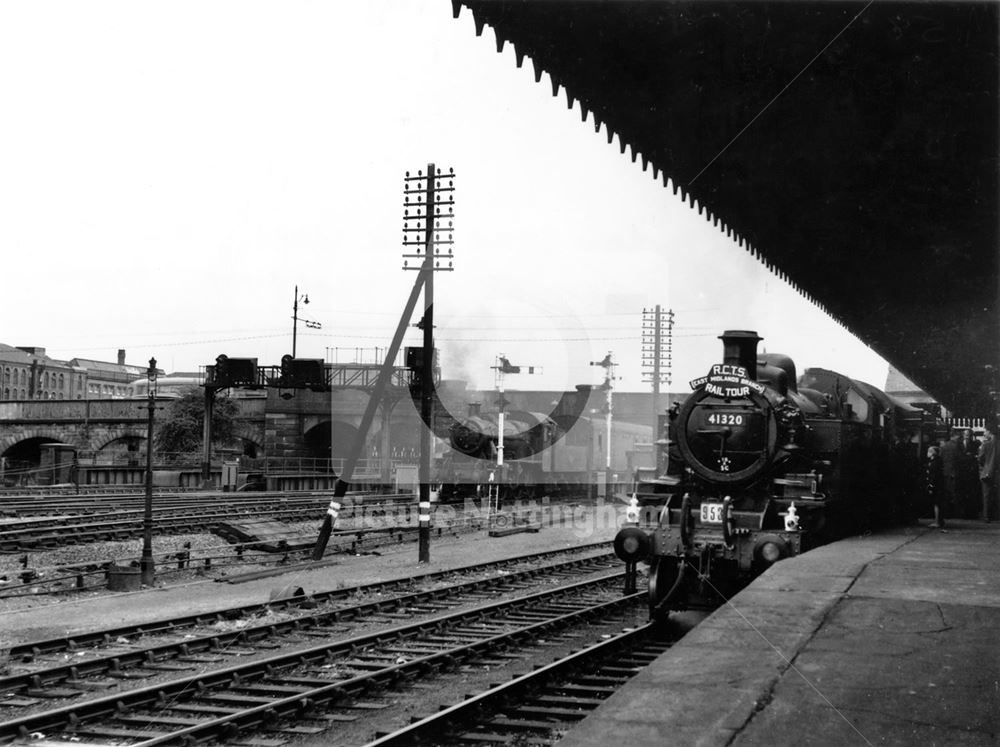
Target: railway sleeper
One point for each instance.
(566, 700)
(202, 658)
(598, 680)
(231, 697)
(274, 688)
(208, 710)
(582, 689)
(625, 672)
(301, 729)
(91, 684)
(564, 714)
(484, 737)
(52, 693)
(105, 731)
(481, 629)
(372, 666)
(519, 724)
(131, 674)
(157, 718)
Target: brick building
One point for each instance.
(28, 373)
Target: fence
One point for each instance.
(975, 424)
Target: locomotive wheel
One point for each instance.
(663, 574)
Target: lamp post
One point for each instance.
(295, 318)
(146, 562)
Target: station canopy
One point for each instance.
(851, 146)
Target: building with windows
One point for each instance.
(109, 380)
(27, 373)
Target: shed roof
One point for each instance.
(851, 147)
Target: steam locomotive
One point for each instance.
(759, 466)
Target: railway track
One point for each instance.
(100, 504)
(305, 690)
(479, 572)
(46, 532)
(543, 704)
(129, 654)
(92, 576)
(59, 532)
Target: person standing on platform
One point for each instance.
(987, 471)
(934, 485)
(968, 478)
(970, 444)
(951, 468)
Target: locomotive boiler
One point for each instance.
(762, 466)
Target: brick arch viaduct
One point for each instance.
(273, 425)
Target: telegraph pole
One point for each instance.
(422, 215)
(657, 348)
(426, 197)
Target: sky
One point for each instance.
(171, 172)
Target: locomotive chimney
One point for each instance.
(739, 347)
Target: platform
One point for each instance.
(883, 640)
